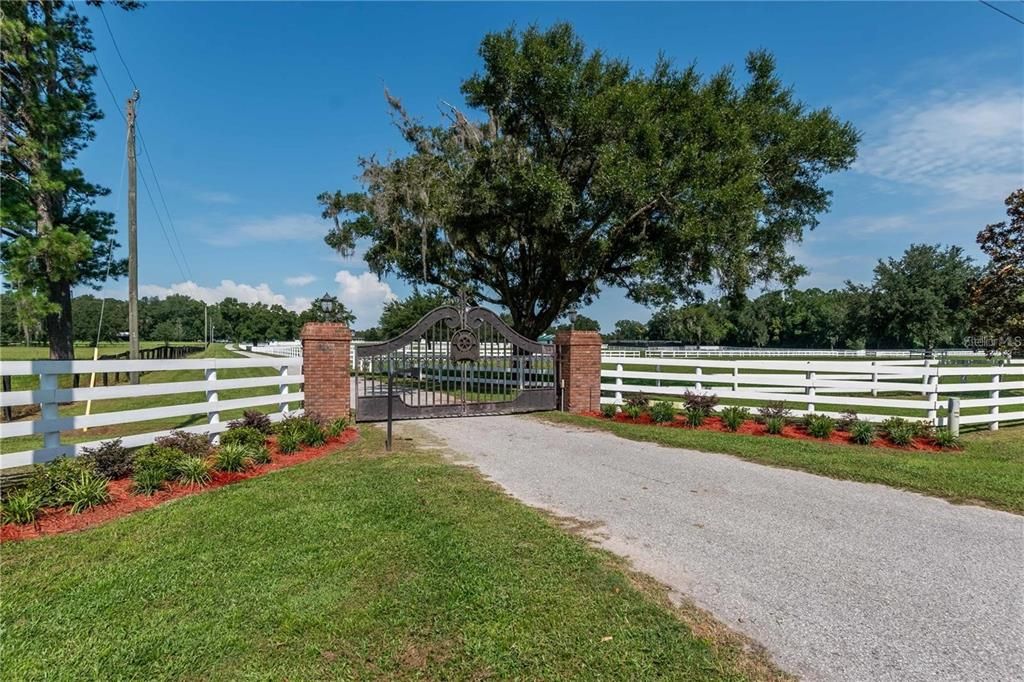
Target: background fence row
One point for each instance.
(875, 390)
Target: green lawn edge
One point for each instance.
(356, 565)
(989, 471)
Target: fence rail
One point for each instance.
(875, 390)
(49, 396)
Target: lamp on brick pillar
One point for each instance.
(326, 365)
(579, 370)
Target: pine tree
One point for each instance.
(53, 238)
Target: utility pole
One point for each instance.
(133, 241)
(206, 325)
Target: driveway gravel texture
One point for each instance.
(838, 580)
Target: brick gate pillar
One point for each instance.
(579, 366)
(326, 364)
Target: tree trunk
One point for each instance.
(58, 325)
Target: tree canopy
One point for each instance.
(53, 238)
(574, 171)
(999, 292)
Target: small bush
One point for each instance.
(252, 419)
(695, 416)
(633, 411)
(899, 431)
(945, 439)
(194, 471)
(774, 409)
(21, 506)
(638, 400)
(774, 424)
(85, 492)
(847, 419)
(337, 427)
(110, 459)
(862, 432)
(260, 455)
(663, 411)
(147, 480)
(49, 480)
(608, 411)
(159, 460)
(312, 434)
(924, 429)
(243, 435)
(288, 424)
(819, 425)
(705, 402)
(191, 444)
(734, 416)
(232, 457)
(288, 443)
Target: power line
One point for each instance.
(1003, 12)
(145, 183)
(145, 148)
(160, 191)
(116, 48)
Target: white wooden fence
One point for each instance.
(49, 396)
(729, 352)
(988, 395)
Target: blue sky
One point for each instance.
(249, 110)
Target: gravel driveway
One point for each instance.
(839, 580)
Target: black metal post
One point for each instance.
(391, 398)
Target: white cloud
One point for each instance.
(363, 294)
(275, 228)
(299, 280)
(214, 197)
(965, 145)
(246, 293)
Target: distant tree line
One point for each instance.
(921, 300)
(175, 318)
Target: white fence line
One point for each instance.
(675, 352)
(814, 382)
(48, 396)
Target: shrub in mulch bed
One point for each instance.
(754, 428)
(124, 501)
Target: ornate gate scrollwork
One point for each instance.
(456, 361)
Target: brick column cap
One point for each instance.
(325, 331)
(577, 337)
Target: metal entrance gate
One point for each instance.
(456, 361)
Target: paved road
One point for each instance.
(839, 580)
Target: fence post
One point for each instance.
(926, 379)
(699, 373)
(657, 368)
(810, 376)
(735, 380)
(994, 410)
(874, 379)
(213, 415)
(933, 397)
(48, 408)
(283, 390)
(618, 384)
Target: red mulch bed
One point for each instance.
(753, 428)
(123, 501)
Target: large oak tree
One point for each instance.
(574, 171)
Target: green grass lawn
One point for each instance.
(358, 565)
(82, 352)
(20, 443)
(989, 470)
